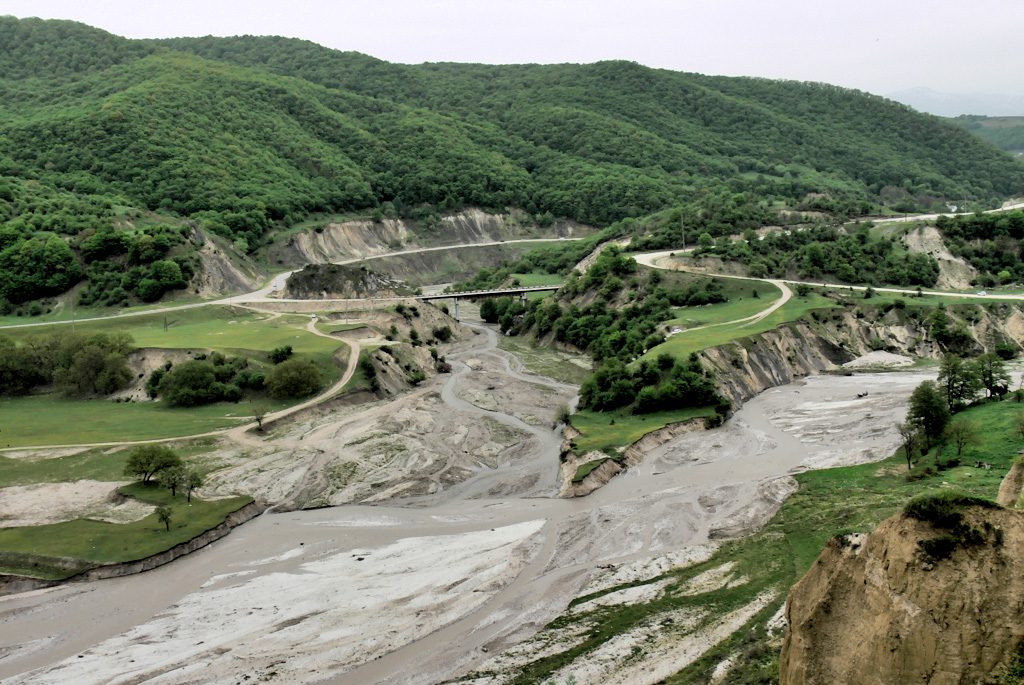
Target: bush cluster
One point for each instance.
(76, 364)
(203, 380)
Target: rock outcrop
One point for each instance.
(879, 609)
(334, 241)
(829, 338)
(954, 272)
(751, 365)
(338, 281)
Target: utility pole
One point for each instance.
(682, 229)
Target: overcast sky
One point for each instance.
(875, 45)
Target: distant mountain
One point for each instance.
(244, 136)
(956, 104)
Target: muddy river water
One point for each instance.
(421, 590)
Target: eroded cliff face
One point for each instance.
(747, 367)
(830, 338)
(364, 238)
(876, 609)
(337, 281)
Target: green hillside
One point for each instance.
(241, 136)
(1006, 133)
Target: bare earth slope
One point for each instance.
(877, 610)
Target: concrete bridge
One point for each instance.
(501, 292)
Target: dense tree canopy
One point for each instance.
(76, 364)
(991, 243)
(825, 251)
(106, 142)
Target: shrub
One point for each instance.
(190, 384)
(294, 378)
(280, 354)
(943, 509)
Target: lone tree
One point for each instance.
(193, 481)
(164, 514)
(146, 461)
(958, 382)
(928, 412)
(259, 412)
(992, 374)
(174, 478)
(908, 437)
(962, 433)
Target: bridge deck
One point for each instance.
(489, 293)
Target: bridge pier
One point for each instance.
(456, 300)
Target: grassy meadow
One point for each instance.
(96, 542)
(52, 420)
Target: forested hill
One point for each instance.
(243, 135)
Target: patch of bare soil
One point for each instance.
(954, 272)
(489, 388)
(142, 363)
(659, 646)
(36, 505)
(878, 359)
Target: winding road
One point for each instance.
(656, 260)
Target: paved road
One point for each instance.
(654, 258)
(929, 217)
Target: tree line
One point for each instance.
(822, 252)
(77, 365)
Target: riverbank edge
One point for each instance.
(12, 584)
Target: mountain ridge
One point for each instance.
(244, 136)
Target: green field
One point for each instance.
(95, 464)
(607, 431)
(96, 542)
(52, 420)
(682, 344)
(586, 469)
(741, 304)
(829, 502)
(538, 279)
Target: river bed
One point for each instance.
(420, 591)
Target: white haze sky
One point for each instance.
(876, 45)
